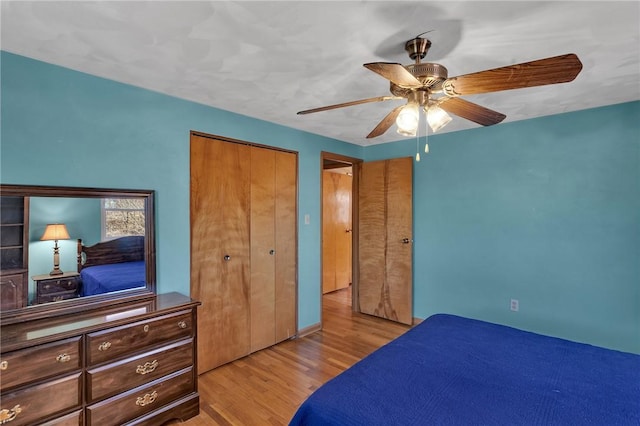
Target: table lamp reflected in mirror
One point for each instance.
(55, 232)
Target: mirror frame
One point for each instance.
(96, 301)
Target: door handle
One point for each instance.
(406, 241)
(347, 230)
(227, 258)
(272, 252)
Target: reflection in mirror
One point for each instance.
(114, 266)
(106, 253)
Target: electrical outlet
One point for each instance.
(515, 305)
(307, 219)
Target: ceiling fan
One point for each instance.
(426, 86)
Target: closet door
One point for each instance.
(263, 248)
(273, 246)
(220, 251)
(286, 245)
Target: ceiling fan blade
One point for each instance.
(347, 104)
(386, 122)
(470, 111)
(395, 73)
(557, 69)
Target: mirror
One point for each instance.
(102, 248)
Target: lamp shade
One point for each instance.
(55, 231)
(407, 120)
(437, 118)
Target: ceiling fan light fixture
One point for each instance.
(408, 119)
(437, 117)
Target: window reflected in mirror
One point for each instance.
(122, 217)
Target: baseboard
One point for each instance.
(308, 330)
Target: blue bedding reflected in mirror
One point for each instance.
(112, 226)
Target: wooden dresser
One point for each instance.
(130, 363)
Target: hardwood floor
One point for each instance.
(266, 388)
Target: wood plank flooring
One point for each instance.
(266, 388)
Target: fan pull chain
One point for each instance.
(426, 134)
(417, 147)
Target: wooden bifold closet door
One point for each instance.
(243, 247)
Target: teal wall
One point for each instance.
(61, 127)
(545, 211)
(82, 216)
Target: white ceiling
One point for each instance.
(269, 59)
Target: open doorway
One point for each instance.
(339, 220)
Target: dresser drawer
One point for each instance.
(183, 409)
(142, 400)
(43, 400)
(39, 362)
(130, 338)
(56, 297)
(57, 286)
(115, 378)
(73, 419)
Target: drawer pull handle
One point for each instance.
(4, 365)
(148, 398)
(146, 328)
(147, 367)
(182, 324)
(8, 415)
(104, 346)
(63, 358)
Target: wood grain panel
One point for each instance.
(336, 222)
(45, 399)
(220, 215)
(123, 249)
(328, 232)
(43, 361)
(343, 231)
(139, 401)
(385, 205)
(372, 236)
(263, 209)
(73, 419)
(286, 245)
(117, 377)
(399, 273)
(130, 338)
(11, 291)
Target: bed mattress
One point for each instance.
(450, 370)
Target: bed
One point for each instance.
(112, 265)
(450, 370)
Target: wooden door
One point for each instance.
(336, 231)
(263, 236)
(220, 252)
(286, 245)
(385, 239)
(344, 232)
(273, 246)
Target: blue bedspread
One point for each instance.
(112, 277)
(456, 371)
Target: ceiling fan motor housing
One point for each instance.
(428, 73)
(417, 48)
